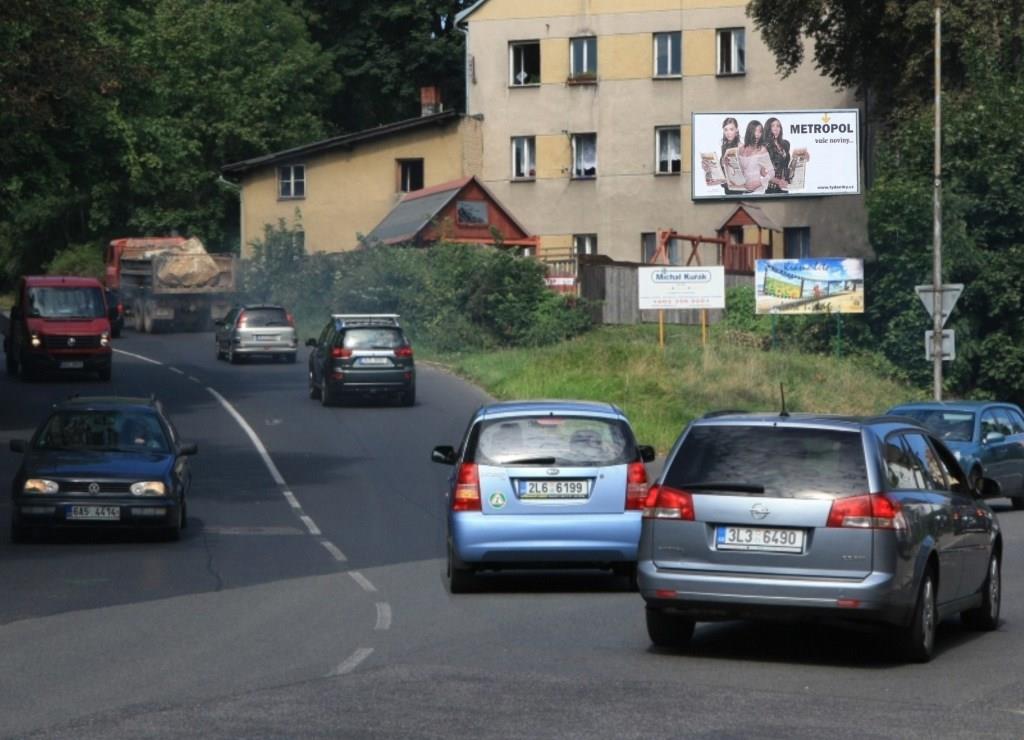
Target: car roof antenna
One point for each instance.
(782, 393)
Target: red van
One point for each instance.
(59, 324)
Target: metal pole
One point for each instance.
(937, 207)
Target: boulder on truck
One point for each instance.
(170, 283)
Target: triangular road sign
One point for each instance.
(950, 295)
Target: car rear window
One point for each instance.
(955, 426)
(552, 440)
(373, 338)
(788, 462)
(262, 317)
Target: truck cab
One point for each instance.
(58, 324)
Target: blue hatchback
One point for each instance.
(544, 484)
(987, 438)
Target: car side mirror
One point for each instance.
(989, 489)
(17, 445)
(189, 448)
(993, 437)
(445, 454)
(311, 342)
(647, 453)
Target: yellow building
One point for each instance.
(587, 108)
(343, 186)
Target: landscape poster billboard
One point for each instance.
(681, 287)
(781, 154)
(811, 285)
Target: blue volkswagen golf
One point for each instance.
(544, 484)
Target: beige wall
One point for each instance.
(628, 198)
(349, 192)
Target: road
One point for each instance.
(306, 600)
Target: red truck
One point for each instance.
(58, 324)
(170, 283)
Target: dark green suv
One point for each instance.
(365, 354)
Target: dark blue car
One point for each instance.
(987, 438)
(102, 462)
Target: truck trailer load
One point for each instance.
(170, 283)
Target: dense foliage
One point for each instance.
(451, 296)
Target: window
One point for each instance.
(928, 462)
(524, 63)
(796, 242)
(583, 58)
(990, 424)
(523, 164)
(901, 472)
(292, 181)
(667, 158)
(583, 244)
(410, 175)
(732, 51)
(668, 54)
(648, 246)
(584, 155)
(1016, 420)
(471, 212)
(299, 240)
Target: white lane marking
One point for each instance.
(290, 498)
(175, 370)
(310, 525)
(274, 472)
(383, 616)
(139, 357)
(362, 581)
(351, 662)
(332, 548)
(270, 531)
(194, 379)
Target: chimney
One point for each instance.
(430, 100)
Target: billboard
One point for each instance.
(776, 154)
(811, 285)
(681, 287)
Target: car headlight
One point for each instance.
(36, 341)
(104, 340)
(956, 454)
(40, 485)
(148, 488)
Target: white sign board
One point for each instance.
(948, 345)
(950, 295)
(681, 287)
(780, 154)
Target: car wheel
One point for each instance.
(314, 391)
(327, 396)
(627, 571)
(668, 630)
(409, 397)
(460, 580)
(985, 617)
(232, 357)
(918, 638)
(10, 363)
(173, 532)
(218, 355)
(1017, 502)
(22, 370)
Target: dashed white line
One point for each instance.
(310, 525)
(139, 357)
(363, 581)
(175, 370)
(332, 548)
(194, 379)
(274, 472)
(290, 498)
(351, 662)
(383, 616)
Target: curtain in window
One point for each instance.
(586, 156)
(668, 151)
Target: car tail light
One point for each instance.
(665, 502)
(243, 320)
(636, 486)
(290, 319)
(403, 351)
(467, 489)
(341, 353)
(867, 511)
(120, 309)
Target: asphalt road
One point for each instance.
(306, 600)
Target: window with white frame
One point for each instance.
(583, 58)
(584, 244)
(584, 155)
(668, 56)
(291, 179)
(732, 51)
(668, 160)
(524, 166)
(524, 63)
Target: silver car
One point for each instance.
(811, 517)
(256, 330)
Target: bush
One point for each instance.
(84, 260)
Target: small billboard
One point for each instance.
(681, 287)
(811, 285)
(776, 153)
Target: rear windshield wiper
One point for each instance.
(531, 461)
(723, 486)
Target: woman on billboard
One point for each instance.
(731, 143)
(778, 152)
(754, 159)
